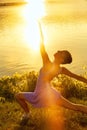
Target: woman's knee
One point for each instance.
(19, 96)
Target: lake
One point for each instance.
(64, 27)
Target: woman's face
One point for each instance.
(63, 57)
(59, 56)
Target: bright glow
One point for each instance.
(32, 36)
(31, 13)
(35, 9)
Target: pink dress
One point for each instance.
(44, 95)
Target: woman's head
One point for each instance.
(64, 57)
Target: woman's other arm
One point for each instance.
(68, 73)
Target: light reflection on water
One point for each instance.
(60, 32)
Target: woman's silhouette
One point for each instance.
(45, 95)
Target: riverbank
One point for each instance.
(12, 3)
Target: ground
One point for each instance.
(41, 119)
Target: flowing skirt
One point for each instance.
(44, 96)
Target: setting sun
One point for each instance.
(32, 12)
(32, 35)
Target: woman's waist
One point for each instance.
(42, 84)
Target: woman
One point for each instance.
(45, 95)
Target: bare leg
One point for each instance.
(22, 101)
(69, 105)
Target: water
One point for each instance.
(64, 25)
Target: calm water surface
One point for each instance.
(65, 27)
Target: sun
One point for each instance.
(31, 13)
(36, 8)
(32, 36)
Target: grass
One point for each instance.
(57, 118)
(41, 119)
(10, 115)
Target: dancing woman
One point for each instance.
(44, 94)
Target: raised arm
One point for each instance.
(43, 52)
(68, 73)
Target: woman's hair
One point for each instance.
(67, 57)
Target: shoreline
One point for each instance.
(12, 4)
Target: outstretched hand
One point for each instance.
(41, 33)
